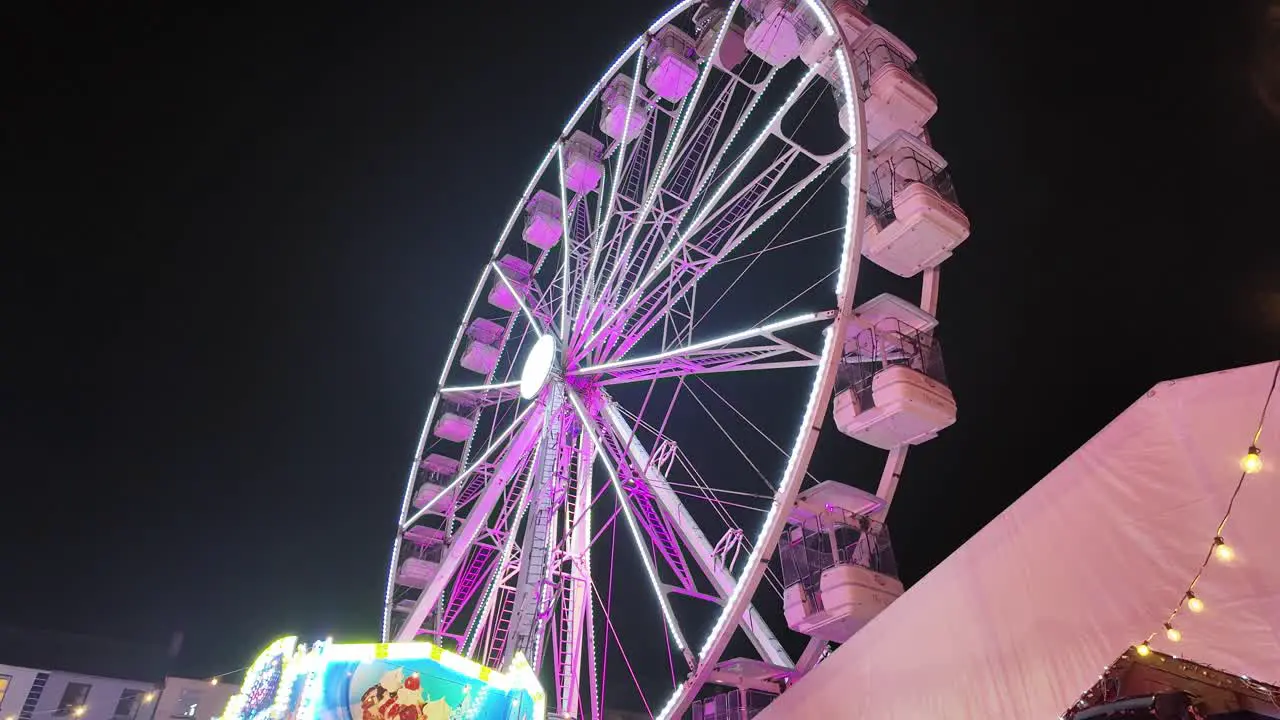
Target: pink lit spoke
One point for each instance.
(651, 487)
(484, 457)
(608, 621)
(633, 525)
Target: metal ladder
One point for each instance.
(529, 619)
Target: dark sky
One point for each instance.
(236, 242)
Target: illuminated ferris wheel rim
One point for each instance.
(845, 284)
(557, 360)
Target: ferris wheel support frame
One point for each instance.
(736, 596)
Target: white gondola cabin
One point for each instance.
(893, 93)
(779, 30)
(583, 162)
(671, 55)
(892, 388)
(483, 346)
(614, 117)
(517, 273)
(837, 563)
(542, 226)
(913, 220)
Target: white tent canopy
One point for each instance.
(1023, 618)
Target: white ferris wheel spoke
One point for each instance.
(688, 107)
(566, 250)
(499, 575)
(619, 165)
(715, 355)
(533, 320)
(577, 602)
(668, 291)
(633, 527)
(752, 623)
(485, 394)
(624, 308)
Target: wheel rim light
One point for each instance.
(537, 367)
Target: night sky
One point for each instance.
(237, 242)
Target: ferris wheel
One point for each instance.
(614, 477)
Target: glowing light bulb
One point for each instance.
(148, 697)
(1252, 460)
(1223, 550)
(78, 711)
(1194, 604)
(1173, 633)
(1143, 649)
(213, 681)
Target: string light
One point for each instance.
(1252, 461)
(1250, 464)
(1222, 550)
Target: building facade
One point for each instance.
(189, 699)
(36, 694)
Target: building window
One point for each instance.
(188, 703)
(130, 700)
(4, 685)
(72, 698)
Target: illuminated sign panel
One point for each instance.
(395, 681)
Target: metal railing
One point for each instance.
(838, 538)
(875, 56)
(739, 704)
(905, 167)
(890, 343)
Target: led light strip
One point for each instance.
(707, 344)
(846, 281)
(479, 388)
(524, 307)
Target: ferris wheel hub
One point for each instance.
(537, 368)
